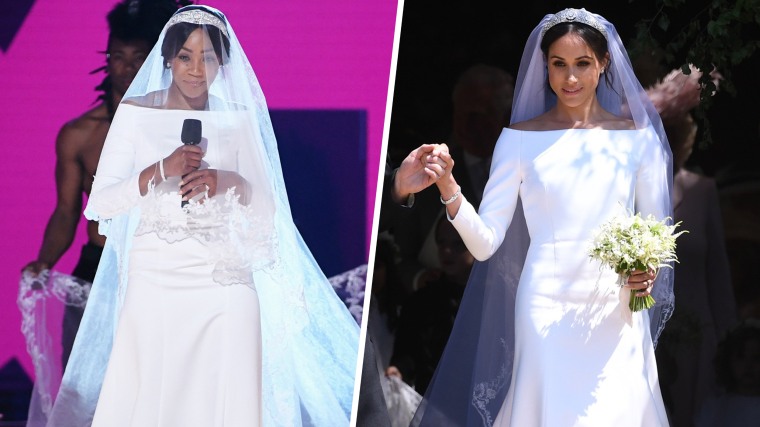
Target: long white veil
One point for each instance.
(475, 371)
(309, 339)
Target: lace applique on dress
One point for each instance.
(240, 238)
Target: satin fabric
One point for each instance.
(577, 360)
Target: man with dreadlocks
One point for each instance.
(134, 26)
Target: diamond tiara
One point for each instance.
(574, 15)
(199, 17)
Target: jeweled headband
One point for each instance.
(574, 15)
(199, 17)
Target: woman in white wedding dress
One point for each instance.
(207, 308)
(562, 348)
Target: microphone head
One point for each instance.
(191, 131)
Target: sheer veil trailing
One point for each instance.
(309, 339)
(474, 374)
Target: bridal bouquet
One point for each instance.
(628, 243)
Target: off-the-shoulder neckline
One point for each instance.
(160, 108)
(579, 129)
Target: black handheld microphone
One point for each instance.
(191, 131)
(191, 134)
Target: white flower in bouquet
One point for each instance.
(628, 243)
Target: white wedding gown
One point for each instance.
(577, 361)
(187, 349)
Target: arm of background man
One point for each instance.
(61, 226)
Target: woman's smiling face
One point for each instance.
(574, 70)
(195, 66)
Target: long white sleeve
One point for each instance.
(116, 187)
(483, 231)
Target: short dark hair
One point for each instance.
(130, 21)
(141, 20)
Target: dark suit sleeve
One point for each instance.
(390, 211)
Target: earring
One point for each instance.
(602, 70)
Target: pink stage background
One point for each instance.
(331, 54)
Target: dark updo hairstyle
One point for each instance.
(593, 38)
(178, 33)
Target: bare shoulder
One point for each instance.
(535, 124)
(610, 121)
(77, 134)
(552, 120)
(155, 99)
(618, 123)
(87, 121)
(526, 125)
(138, 101)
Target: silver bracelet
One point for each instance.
(161, 168)
(452, 198)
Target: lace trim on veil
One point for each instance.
(350, 287)
(239, 237)
(34, 294)
(486, 391)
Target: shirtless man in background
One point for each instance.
(134, 26)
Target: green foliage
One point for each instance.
(711, 35)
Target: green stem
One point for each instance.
(640, 303)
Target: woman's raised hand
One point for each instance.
(440, 162)
(437, 161)
(447, 185)
(199, 182)
(642, 281)
(185, 159)
(419, 170)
